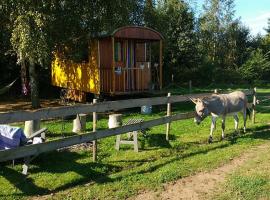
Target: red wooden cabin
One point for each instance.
(119, 63)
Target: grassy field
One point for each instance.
(71, 174)
(251, 181)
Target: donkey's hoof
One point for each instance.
(210, 140)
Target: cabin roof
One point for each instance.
(133, 32)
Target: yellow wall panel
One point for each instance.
(59, 73)
(78, 76)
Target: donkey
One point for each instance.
(221, 105)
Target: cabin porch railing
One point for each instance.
(125, 80)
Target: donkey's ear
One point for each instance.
(193, 100)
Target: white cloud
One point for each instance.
(258, 23)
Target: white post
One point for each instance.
(254, 105)
(31, 126)
(94, 129)
(79, 124)
(168, 114)
(115, 120)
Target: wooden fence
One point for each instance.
(48, 113)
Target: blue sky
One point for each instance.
(253, 13)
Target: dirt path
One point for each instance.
(203, 183)
(24, 104)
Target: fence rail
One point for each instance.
(48, 113)
(36, 149)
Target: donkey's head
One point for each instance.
(201, 110)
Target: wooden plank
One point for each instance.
(127, 142)
(99, 70)
(105, 45)
(135, 141)
(36, 149)
(117, 144)
(113, 66)
(124, 73)
(160, 65)
(37, 133)
(141, 33)
(48, 113)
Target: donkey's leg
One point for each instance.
(223, 127)
(236, 122)
(213, 126)
(245, 118)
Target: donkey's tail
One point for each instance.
(248, 112)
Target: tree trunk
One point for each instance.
(24, 83)
(34, 85)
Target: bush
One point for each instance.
(256, 67)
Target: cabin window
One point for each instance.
(143, 52)
(118, 52)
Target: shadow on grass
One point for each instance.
(25, 184)
(58, 164)
(158, 140)
(262, 132)
(63, 134)
(257, 133)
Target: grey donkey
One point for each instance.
(221, 105)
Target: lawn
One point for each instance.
(71, 174)
(251, 181)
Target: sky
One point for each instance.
(253, 13)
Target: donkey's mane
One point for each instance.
(212, 97)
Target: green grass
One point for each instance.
(251, 181)
(118, 175)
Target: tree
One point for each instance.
(150, 14)
(176, 22)
(37, 28)
(217, 17)
(223, 40)
(256, 67)
(237, 41)
(267, 29)
(29, 41)
(8, 67)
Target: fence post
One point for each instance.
(254, 105)
(168, 114)
(94, 129)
